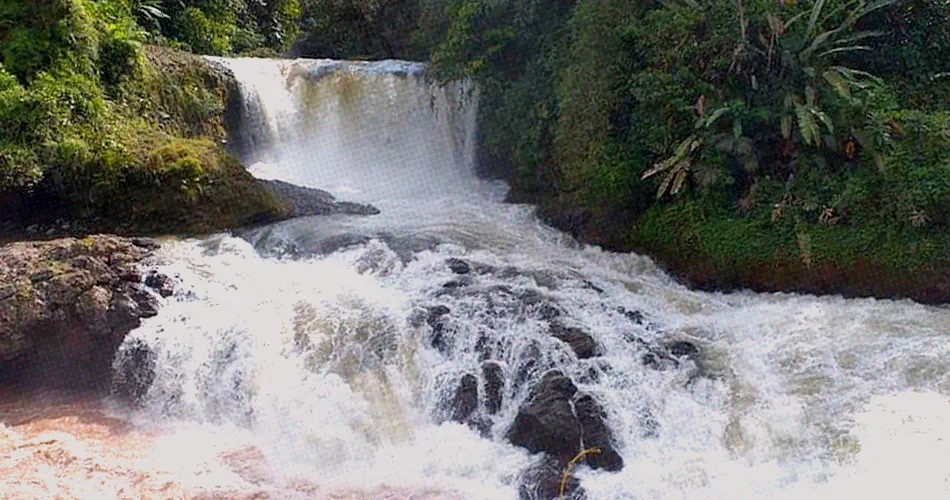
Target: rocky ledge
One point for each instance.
(67, 304)
(302, 201)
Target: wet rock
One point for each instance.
(134, 372)
(683, 349)
(435, 318)
(146, 243)
(549, 312)
(160, 283)
(649, 425)
(509, 273)
(450, 285)
(531, 298)
(546, 423)
(588, 284)
(65, 308)
(481, 424)
(466, 399)
(595, 434)
(486, 347)
(305, 201)
(543, 481)
(494, 386)
(633, 316)
(658, 360)
(527, 361)
(580, 342)
(458, 266)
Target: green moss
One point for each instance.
(125, 137)
(721, 252)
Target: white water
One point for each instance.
(808, 397)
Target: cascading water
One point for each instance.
(311, 341)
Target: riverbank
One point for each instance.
(711, 252)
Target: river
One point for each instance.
(295, 360)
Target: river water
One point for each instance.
(295, 360)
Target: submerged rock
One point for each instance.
(160, 283)
(543, 481)
(466, 398)
(634, 316)
(458, 266)
(435, 318)
(683, 349)
(580, 341)
(595, 434)
(65, 307)
(494, 386)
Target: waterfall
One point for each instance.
(364, 130)
(335, 345)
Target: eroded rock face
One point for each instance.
(560, 422)
(66, 305)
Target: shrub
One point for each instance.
(19, 167)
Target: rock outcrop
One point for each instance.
(66, 305)
(303, 201)
(558, 421)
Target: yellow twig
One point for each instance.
(570, 465)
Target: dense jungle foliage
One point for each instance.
(97, 124)
(743, 130)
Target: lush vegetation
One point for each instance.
(91, 120)
(772, 121)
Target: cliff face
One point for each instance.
(155, 163)
(66, 305)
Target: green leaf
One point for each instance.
(786, 126)
(813, 19)
(715, 116)
(824, 119)
(838, 82)
(853, 48)
(678, 181)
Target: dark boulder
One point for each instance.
(543, 481)
(465, 401)
(546, 423)
(435, 317)
(634, 316)
(134, 372)
(683, 349)
(580, 341)
(595, 434)
(458, 266)
(160, 283)
(494, 386)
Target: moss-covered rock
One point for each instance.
(150, 158)
(66, 305)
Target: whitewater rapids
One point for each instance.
(291, 362)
